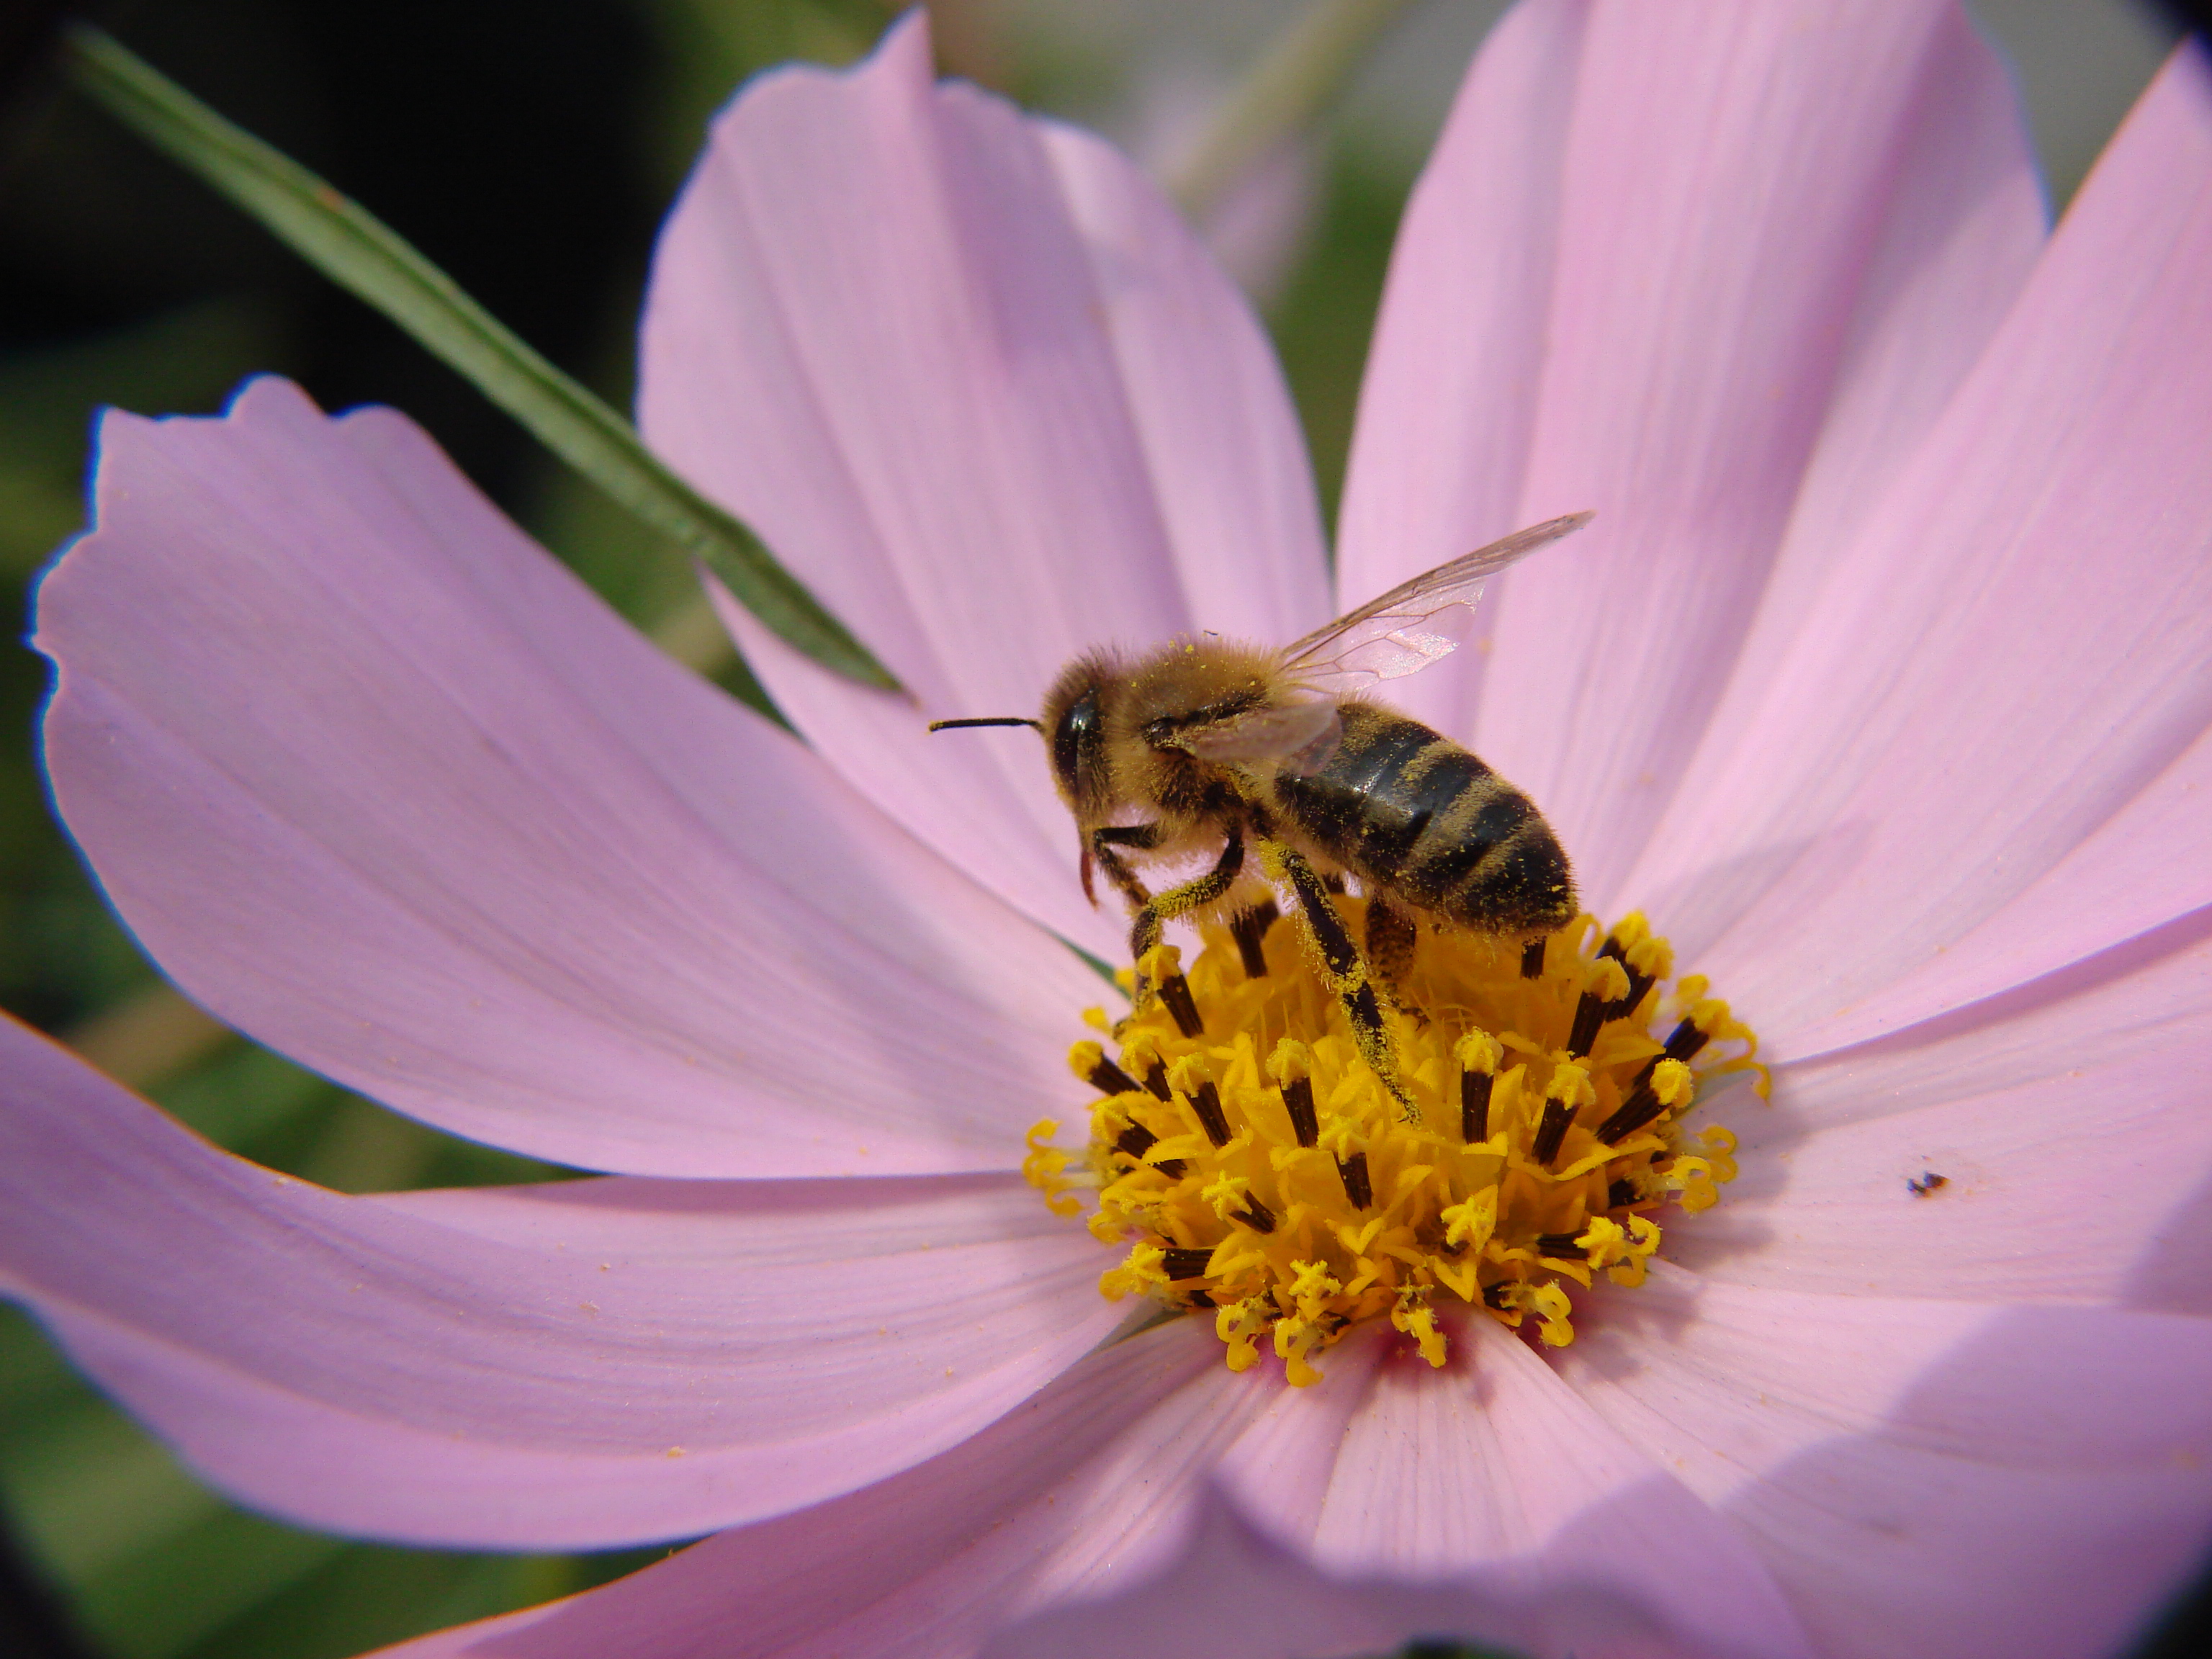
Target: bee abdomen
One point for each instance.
(1414, 813)
(1517, 884)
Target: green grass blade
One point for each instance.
(362, 254)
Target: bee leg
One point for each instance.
(1100, 845)
(1343, 967)
(1144, 932)
(1391, 939)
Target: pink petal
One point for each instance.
(1097, 1487)
(380, 784)
(1449, 404)
(1926, 1478)
(1233, 1593)
(979, 388)
(589, 1363)
(1093, 1475)
(2143, 867)
(2015, 653)
(1711, 272)
(2066, 1117)
(1491, 1467)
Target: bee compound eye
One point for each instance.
(1078, 747)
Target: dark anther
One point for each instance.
(1255, 1215)
(1622, 1006)
(1532, 959)
(1200, 1299)
(1493, 1295)
(1589, 1014)
(1620, 1195)
(1562, 1245)
(1685, 1041)
(1356, 1186)
(1638, 985)
(1207, 1101)
(1474, 1106)
(1137, 1140)
(1683, 1045)
(1179, 1263)
(1552, 1133)
(1638, 1109)
(1298, 1102)
(1175, 991)
(1156, 1080)
(1250, 929)
(1110, 1079)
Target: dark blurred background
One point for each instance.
(529, 146)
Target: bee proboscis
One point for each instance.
(1203, 744)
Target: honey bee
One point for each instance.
(1214, 746)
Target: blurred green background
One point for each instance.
(529, 146)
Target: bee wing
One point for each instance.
(1416, 624)
(1299, 736)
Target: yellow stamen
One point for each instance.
(1259, 1168)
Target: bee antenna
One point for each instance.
(988, 719)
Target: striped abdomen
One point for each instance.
(1416, 815)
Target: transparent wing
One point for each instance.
(1297, 737)
(1416, 624)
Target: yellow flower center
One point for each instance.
(1247, 1161)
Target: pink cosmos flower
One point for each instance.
(1883, 683)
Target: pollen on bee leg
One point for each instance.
(1250, 1160)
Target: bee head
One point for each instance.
(1074, 724)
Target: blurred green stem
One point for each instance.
(1300, 75)
(361, 253)
(148, 1038)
